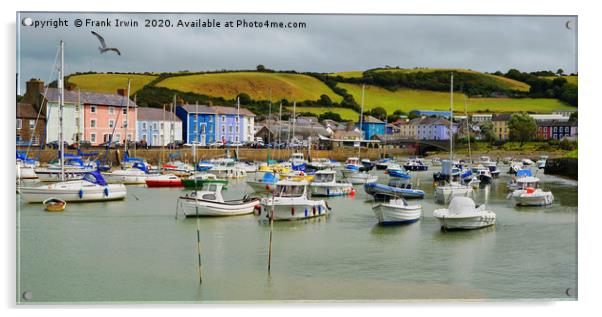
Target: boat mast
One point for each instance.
(61, 106)
(294, 120)
(196, 135)
(268, 121)
(280, 125)
(451, 118)
(171, 124)
(468, 130)
(237, 124)
(125, 122)
(135, 127)
(359, 149)
(162, 140)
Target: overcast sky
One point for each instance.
(329, 43)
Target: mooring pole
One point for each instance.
(271, 231)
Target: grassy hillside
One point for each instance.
(570, 79)
(110, 82)
(349, 74)
(496, 80)
(256, 84)
(345, 113)
(411, 99)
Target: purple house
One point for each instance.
(433, 129)
(231, 125)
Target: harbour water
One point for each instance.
(137, 251)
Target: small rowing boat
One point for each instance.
(54, 204)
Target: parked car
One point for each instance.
(114, 144)
(175, 144)
(55, 144)
(81, 144)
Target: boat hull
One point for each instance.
(535, 199)
(190, 183)
(83, 194)
(331, 189)
(416, 168)
(125, 179)
(163, 183)
(287, 211)
(261, 187)
(203, 208)
(465, 223)
(388, 214)
(26, 172)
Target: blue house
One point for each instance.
(372, 126)
(153, 126)
(198, 123)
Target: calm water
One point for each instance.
(136, 251)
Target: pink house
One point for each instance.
(105, 115)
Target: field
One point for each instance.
(345, 113)
(413, 99)
(255, 84)
(570, 79)
(349, 74)
(497, 80)
(110, 82)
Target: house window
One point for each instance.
(93, 123)
(111, 123)
(237, 129)
(19, 124)
(92, 109)
(237, 119)
(125, 110)
(223, 129)
(211, 119)
(143, 125)
(129, 136)
(203, 129)
(93, 137)
(230, 129)
(162, 126)
(117, 137)
(155, 126)
(34, 140)
(236, 139)
(32, 124)
(111, 110)
(555, 129)
(223, 118)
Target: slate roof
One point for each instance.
(232, 110)
(88, 97)
(155, 114)
(201, 108)
(501, 117)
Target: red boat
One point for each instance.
(164, 181)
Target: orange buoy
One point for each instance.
(530, 190)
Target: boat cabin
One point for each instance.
(211, 192)
(353, 161)
(528, 181)
(291, 189)
(324, 177)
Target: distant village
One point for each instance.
(101, 119)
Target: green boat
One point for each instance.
(198, 180)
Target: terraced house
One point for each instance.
(434, 128)
(154, 126)
(500, 125)
(197, 124)
(28, 132)
(556, 130)
(232, 125)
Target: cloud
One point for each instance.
(329, 43)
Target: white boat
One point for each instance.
(484, 175)
(359, 178)
(266, 183)
(523, 179)
(529, 193)
(435, 161)
(226, 168)
(209, 202)
(541, 163)
(25, 171)
(486, 161)
(352, 165)
(325, 184)
(397, 211)
(178, 168)
(463, 214)
(444, 194)
(247, 167)
(134, 175)
(319, 164)
(92, 187)
(527, 162)
(291, 202)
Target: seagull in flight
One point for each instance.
(103, 48)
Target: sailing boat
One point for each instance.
(443, 194)
(164, 179)
(92, 187)
(359, 176)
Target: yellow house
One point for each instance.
(500, 125)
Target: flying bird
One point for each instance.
(103, 48)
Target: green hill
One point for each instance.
(495, 80)
(256, 84)
(345, 113)
(109, 83)
(570, 79)
(411, 99)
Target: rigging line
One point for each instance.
(52, 69)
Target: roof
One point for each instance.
(201, 108)
(501, 117)
(371, 119)
(155, 114)
(232, 110)
(431, 113)
(556, 124)
(27, 111)
(88, 97)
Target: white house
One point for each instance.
(154, 126)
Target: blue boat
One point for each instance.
(395, 188)
(399, 174)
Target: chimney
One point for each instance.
(122, 92)
(33, 92)
(70, 86)
(350, 126)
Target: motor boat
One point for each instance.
(359, 178)
(486, 161)
(521, 179)
(541, 163)
(178, 168)
(325, 184)
(463, 214)
(291, 202)
(416, 165)
(226, 168)
(163, 180)
(367, 165)
(449, 172)
(92, 187)
(435, 161)
(266, 183)
(209, 202)
(484, 175)
(395, 188)
(136, 174)
(297, 176)
(396, 211)
(529, 193)
(247, 167)
(203, 166)
(319, 164)
(444, 193)
(198, 179)
(527, 162)
(352, 165)
(384, 163)
(398, 173)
